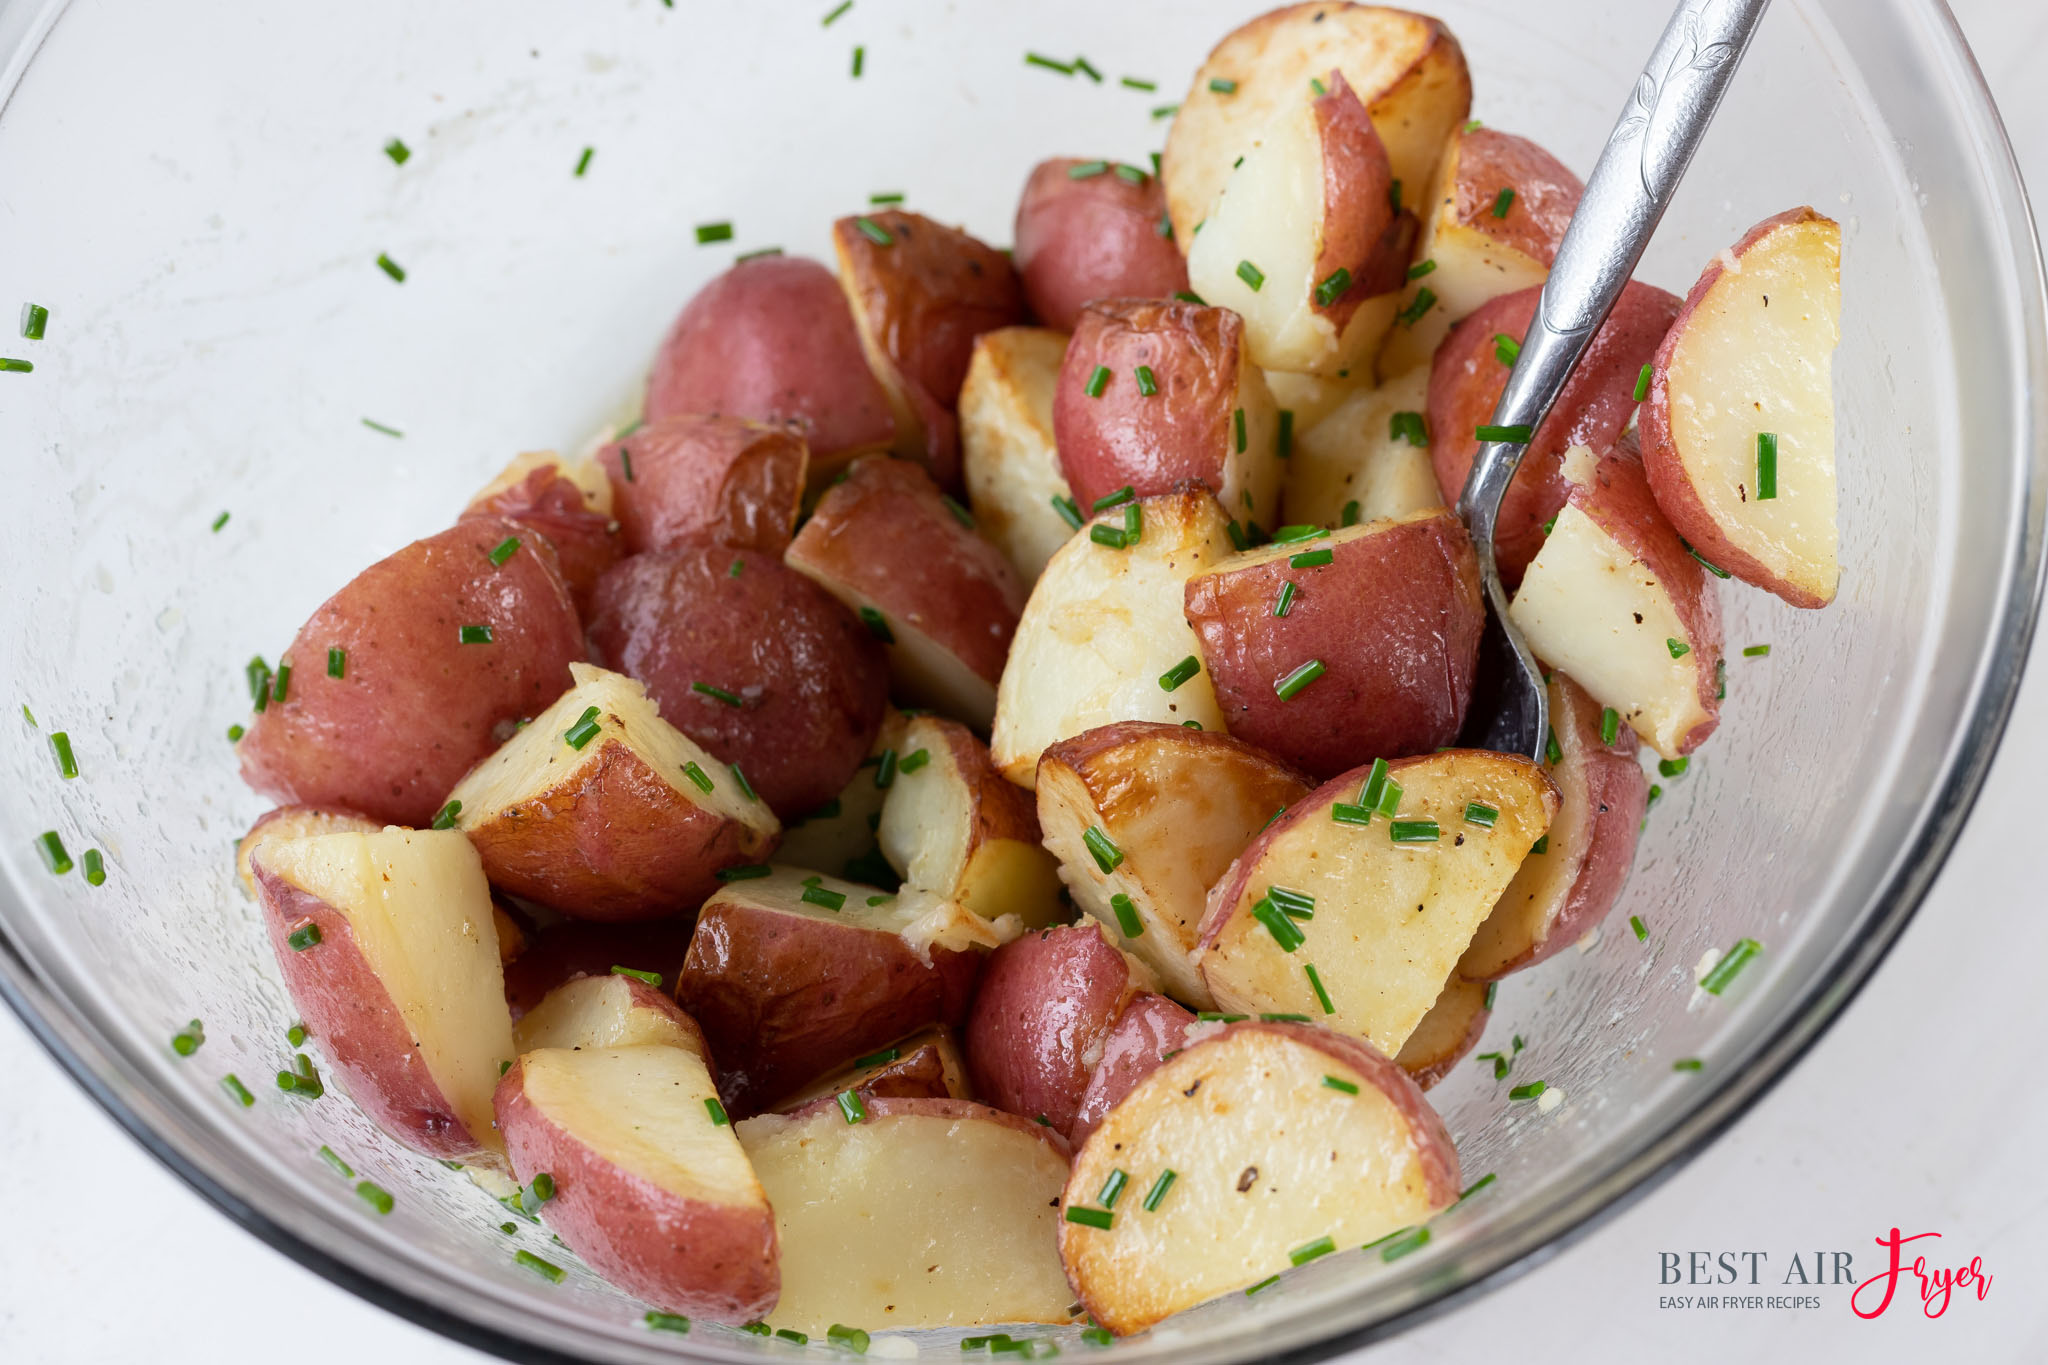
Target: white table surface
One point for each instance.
(1923, 1108)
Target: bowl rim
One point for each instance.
(72, 1041)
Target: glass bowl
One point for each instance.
(199, 194)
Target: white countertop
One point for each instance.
(1921, 1109)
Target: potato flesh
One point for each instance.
(1008, 457)
(830, 841)
(910, 1220)
(923, 920)
(642, 1109)
(1588, 607)
(1444, 1034)
(1101, 626)
(1391, 920)
(584, 472)
(598, 1012)
(1352, 456)
(539, 759)
(1322, 1163)
(420, 910)
(1471, 269)
(935, 836)
(1757, 355)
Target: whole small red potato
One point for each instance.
(412, 673)
(1357, 644)
(690, 476)
(567, 501)
(1090, 230)
(1209, 419)
(752, 661)
(772, 340)
(1470, 370)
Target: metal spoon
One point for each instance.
(1631, 185)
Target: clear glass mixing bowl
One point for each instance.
(198, 194)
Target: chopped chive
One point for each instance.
(882, 1058)
(1291, 535)
(1283, 440)
(1222, 86)
(1165, 111)
(1237, 417)
(1552, 754)
(860, 59)
(378, 1198)
(1528, 1092)
(188, 1039)
(676, 1322)
(1159, 1189)
(1311, 559)
(851, 1107)
(391, 267)
(1173, 677)
(1375, 784)
(914, 760)
(1315, 83)
(1421, 268)
(445, 817)
(759, 1329)
(1113, 1188)
(1238, 539)
(1672, 767)
(853, 1339)
(1480, 814)
(698, 776)
(1081, 65)
(1340, 1084)
(1425, 299)
(1126, 913)
(818, 895)
(716, 693)
(1091, 1218)
(1134, 523)
(1278, 925)
(1284, 603)
(1610, 724)
(341, 1168)
(1309, 1251)
(1413, 831)
(95, 867)
(1517, 434)
(1643, 381)
(34, 319)
(380, 427)
(236, 1090)
(397, 151)
(60, 745)
(1679, 648)
(1345, 813)
(877, 624)
(1316, 981)
(10, 365)
(1107, 855)
(584, 730)
(1351, 510)
(1729, 967)
(1087, 170)
(1394, 195)
(626, 464)
(1687, 1064)
(651, 978)
(1097, 1336)
(1264, 1284)
(1711, 567)
(1251, 275)
(1506, 349)
(1289, 687)
(874, 231)
(960, 514)
(1640, 929)
(841, 8)
(547, 1270)
(537, 1192)
(1034, 59)
(220, 521)
(1766, 465)
(1138, 83)
(885, 770)
(1492, 989)
(1409, 426)
(1147, 385)
(745, 872)
(708, 233)
(1069, 513)
(1721, 676)
(1755, 651)
(306, 936)
(1189, 296)
(1116, 499)
(337, 662)
(1541, 846)
(886, 197)
(1098, 380)
(297, 1035)
(235, 733)
(1333, 286)
(1411, 1241)
(468, 635)
(1299, 904)
(1502, 202)
(583, 162)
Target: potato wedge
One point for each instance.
(790, 978)
(842, 837)
(577, 948)
(693, 476)
(1407, 68)
(946, 1207)
(1101, 628)
(1149, 1031)
(1445, 1035)
(1171, 808)
(1616, 601)
(927, 1065)
(607, 1011)
(567, 502)
(1561, 892)
(1278, 1136)
(1384, 921)
(1006, 445)
(600, 808)
(1090, 230)
(952, 826)
(1751, 356)
(388, 948)
(1367, 460)
(294, 822)
(652, 1188)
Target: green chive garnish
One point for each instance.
(1409, 426)
(1492, 989)
(220, 521)
(1098, 380)
(60, 745)
(1069, 513)
(818, 895)
(10, 365)
(1541, 846)
(853, 1339)
(1278, 925)
(1091, 1218)
(1506, 349)
(874, 231)
(1147, 385)
(708, 233)
(378, 1198)
(297, 1035)
(1394, 195)
(584, 730)
(717, 693)
(1766, 465)
(1729, 967)
(391, 267)
(1113, 1188)
(1755, 651)
(538, 1192)
(1134, 523)
(1528, 1092)
(547, 1270)
(1643, 381)
(306, 936)
(1189, 296)
(1316, 981)
(1222, 86)
(1116, 499)
(1517, 435)
(698, 776)
(1126, 913)
(1552, 754)
(1107, 855)
(1425, 299)
(745, 872)
(1138, 83)
(337, 662)
(1679, 648)
(885, 769)
(1421, 268)
(1687, 1064)
(1264, 1284)
(860, 60)
(445, 817)
(1237, 419)
(651, 978)
(1502, 202)
(851, 1107)
(676, 1322)
(1251, 275)
(1351, 510)
(914, 760)
(1640, 929)
(1610, 724)
(1345, 813)
(1159, 1189)
(885, 197)
(1097, 1336)
(380, 427)
(1165, 111)
(717, 1112)
(1480, 814)
(95, 867)
(960, 514)
(1087, 170)
(1673, 767)
(1288, 687)
(468, 635)
(189, 1039)
(1284, 602)
(397, 151)
(235, 733)
(877, 624)
(1332, 287)
(1395, 1250)
(341, 1168)
(626, 464)
(843, 7)
(238, 1092)
(1173, 677)
(1034, 59)
(1340, 1084)
(1705, 563)
(1321, 1246)
(1311, 559)
(1413, 831)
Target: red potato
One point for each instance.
(943, 600)
(1190, 431)
(1150, 1029)
(1465, 383)
(723, 478)
(294, 822)
(1364, 460)
(652, 1189)
(1447, 1034)
(947, 1208)
(602, 809)
(1047, 1001)
(576, 949)
(772, 340)
(417, 705)
(1382, 923)
(1278, 1135)
(569, 502)
(1752, 353)
(1393, 618)
(921, 293)
(1175, 806)
(789, 982)
(1014, 483)
(927, 1065)
(1103, 625)
(841, 837)
(953, 826)
(1312, 397)
(1305, 244)
(1479, 247)
(1090, 230)
(1561, 893)
(1615, 601)
(1407, 68)
(613, 1010)
(395, 970)
(811, 682)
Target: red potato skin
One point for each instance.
(1547, 193)
(1465, 382)
(1155, 445)
(618, 843)
(1150, 1027)
(813, 681)
(919, 1074)
(886, 534)
(659, 1248)
(722, 478)
(1093, 238)
(1046, 1003)
(360, 1028)
(783, 999)
(1399, 665)
(585, 543)
(1357, 207)
(1661, 462)
(772, 340)
(576, 949)
(416, 708)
